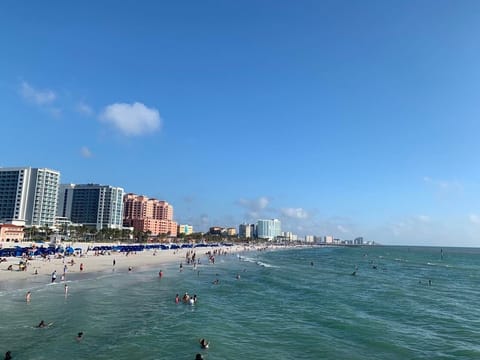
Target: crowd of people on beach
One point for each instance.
(191, 259)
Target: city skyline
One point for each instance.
(344, 118)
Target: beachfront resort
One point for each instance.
(36, 206)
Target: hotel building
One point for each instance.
(268, 229)
(246, 231)
(185, 229)
(145, 214)
(93, 205)
(28, 195)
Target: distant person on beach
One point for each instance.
(8, 355)
(81, 266)
(79, 336)
(114, 262)
(54, 276)
(28, 296)
(160, 274)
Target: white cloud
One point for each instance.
(255, 204)
(132, 119)
(444, 185)
(85, 152)
(474, 218)
(39, 97)
(84, 109)
(296, 213)
(256, 208)
(423, 218)
(343, 229)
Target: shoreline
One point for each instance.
(39, 270)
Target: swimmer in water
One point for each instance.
(79, 336)
(204, 344)
(28, 296)
(8, 355)
(42, 324)
(198, 357)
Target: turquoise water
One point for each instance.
(282, 307)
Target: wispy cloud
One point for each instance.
(84, 109)
(254, 207)
(474, 218)
(85, 152)
(443, 185)
(296, 213)
(343, 229)
(38, 97)
(132, 119)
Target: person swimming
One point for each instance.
(42, 324)
(204, 343)
(79, 336)
(198, 357)
(8, 355)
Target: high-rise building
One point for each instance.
(268, 229)
(93, 205)
(28, 195)
(245, 231)
(149, 215)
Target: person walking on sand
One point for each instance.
(81, 266)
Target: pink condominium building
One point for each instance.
(145, 214)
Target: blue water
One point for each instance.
(282, 307)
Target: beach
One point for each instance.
(39, 270)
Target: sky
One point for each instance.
(344, 118)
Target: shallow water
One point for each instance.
(282, 307)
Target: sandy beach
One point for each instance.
(39, 270)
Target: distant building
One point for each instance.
(93, 205)
(268, 229)
(231, 231)
(149, 215)
(216, 230)
(11, 233)
(244, 231)
(288, 235)
(185, 229)
(358, 241)
(28, 195)
(309, 238)
(328, 239)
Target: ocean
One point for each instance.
(299, 303)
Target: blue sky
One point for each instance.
(349, 118)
